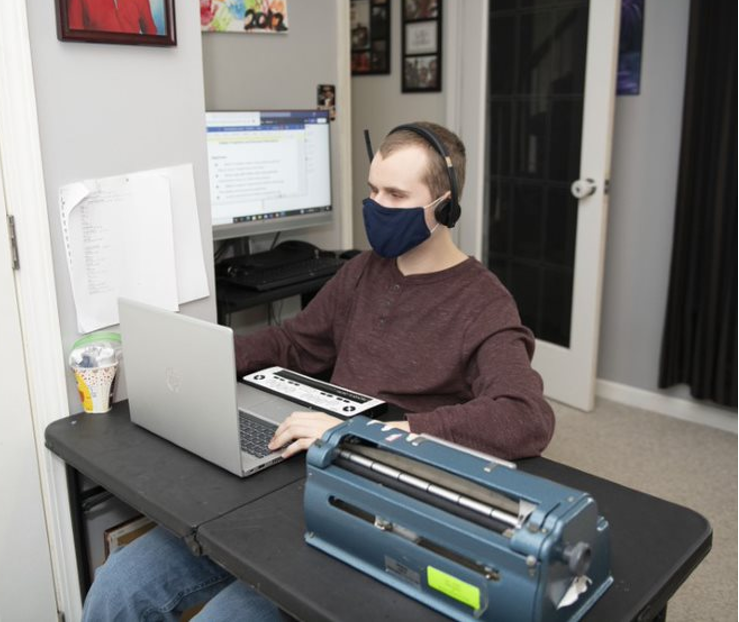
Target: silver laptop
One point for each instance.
(180, 375)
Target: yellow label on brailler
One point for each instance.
(453, 587)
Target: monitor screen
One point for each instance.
(269, 171)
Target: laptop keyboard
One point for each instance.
(255, 434)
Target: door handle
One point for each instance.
(583, 188)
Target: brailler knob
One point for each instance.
(577, 557)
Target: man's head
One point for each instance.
(410, 189)
(435, 175)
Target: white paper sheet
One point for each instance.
(192, 281)
(119, 240)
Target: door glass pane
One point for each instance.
(557, 300)
(528, 216)
(564, 139)
(500, 121)
(502, 45)
(568, 69)
(500, 203)
(529, 145)
(536, 68)
(559, 239)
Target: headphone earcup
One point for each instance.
(442, 213)
(455, 211)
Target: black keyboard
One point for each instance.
(255, 434)
(271, 277)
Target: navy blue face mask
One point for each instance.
(394, 231)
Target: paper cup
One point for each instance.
(96, 385)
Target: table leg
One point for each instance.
(79, 529)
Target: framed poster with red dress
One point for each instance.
(128, 22)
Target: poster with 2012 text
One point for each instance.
(245, 16)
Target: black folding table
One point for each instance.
(254, 526)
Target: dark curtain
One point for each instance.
(699, 345)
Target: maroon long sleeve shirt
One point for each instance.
(447, 347)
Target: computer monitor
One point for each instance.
(270, 170)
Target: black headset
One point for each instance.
(448, 211)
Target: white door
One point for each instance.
(26, 581)
(544, 93)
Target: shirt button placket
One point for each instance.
(387, 304)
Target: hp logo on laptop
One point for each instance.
(173, 379)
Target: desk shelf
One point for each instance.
(232, 298)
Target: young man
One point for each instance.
(415, 322)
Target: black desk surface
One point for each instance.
(254, 526)
(655, 545)
(170, 485)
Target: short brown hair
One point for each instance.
(437, 178)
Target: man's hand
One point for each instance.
(299, 430)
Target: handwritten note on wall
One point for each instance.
(135, 236)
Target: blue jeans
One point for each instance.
(156, 578)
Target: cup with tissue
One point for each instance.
(94, 360)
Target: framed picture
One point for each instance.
(420, 9)
(370, 28)
(630, 47)
(421, 38)
(127, 22)
(326, 99)
(421, 46)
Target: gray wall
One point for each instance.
(378, 105)
(111, 109)
(247, 72)
(646, 150)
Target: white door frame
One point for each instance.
(27, 590)
(465, 71)
(25, 197)
(343, 124)
(466, 112)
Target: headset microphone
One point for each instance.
(368, 144)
